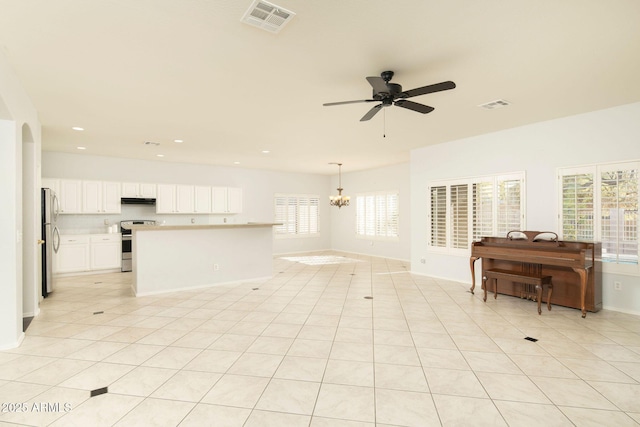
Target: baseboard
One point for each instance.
(14, 345)
(621, 310)
(210, 285)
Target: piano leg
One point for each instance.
(472, 262)
(484, 288)
(583, 288)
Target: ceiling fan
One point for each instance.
(392, 94)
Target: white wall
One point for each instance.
(539, 149)
(343, 220)
(258, 188)
(15, 110)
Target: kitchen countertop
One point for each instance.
(139, 227)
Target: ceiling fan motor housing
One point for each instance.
(393, 90)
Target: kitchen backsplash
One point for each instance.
(94, 223)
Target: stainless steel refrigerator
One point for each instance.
(50, 207)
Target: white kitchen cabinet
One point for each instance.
(202, 199)
(70, 196)
(234, 199)
(139, 189)
(51, 183)
(175, 199)
(184, 199)
(226, 200)
(166, 198)
(105, 251)
(73, 254)
(101, 197)
(88, 252)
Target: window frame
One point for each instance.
(471, 231)
(596, 170)
(373, 197)
(296, 222)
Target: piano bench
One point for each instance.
(519, 277)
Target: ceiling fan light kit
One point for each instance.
(389, 94)
(339, 200)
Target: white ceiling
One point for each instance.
(131, 71)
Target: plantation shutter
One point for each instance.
(619, 215)
(299, 214)
(459, 216)
(303, 215)
(370, 221)
(280, 215)
(360, 215)
(482, 210)
(438, 216)
(314, 215)
(392, 215)
(509, 206)
(578, 212)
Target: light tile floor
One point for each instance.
(308, 348)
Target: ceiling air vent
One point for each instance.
(494, 104)
(267, 16)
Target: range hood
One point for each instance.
(137, 201)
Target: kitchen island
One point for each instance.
(168, 258)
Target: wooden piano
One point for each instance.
(577, 279)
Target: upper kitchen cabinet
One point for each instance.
(51, 183)
(226, 200)
(175, 198)
(139, 189)
(202, 199)
(70, 196)
(101, 197)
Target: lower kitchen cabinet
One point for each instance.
(105, 251)
(88, 252)
(73, 254)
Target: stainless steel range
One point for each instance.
(125, 228)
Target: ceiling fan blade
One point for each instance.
(378, 84)
(371, 113)
(410, 105)
(328, 104)
(438, 87)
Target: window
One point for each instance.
(465, 210)
(600, 203)
(298, 213)
(377, 215)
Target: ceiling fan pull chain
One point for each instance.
(384, 124)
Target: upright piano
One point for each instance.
(574, 266)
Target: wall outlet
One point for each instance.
(617, 286)
(106, 222)
(216, 267)
(193, 220)
(423, 260)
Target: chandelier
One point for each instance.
(339, 200)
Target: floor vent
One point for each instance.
(499, 103)
(267, 16)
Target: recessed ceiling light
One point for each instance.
(81, 148)
(236, 163)
(77, 128)
(265, 151)
(179, 141)
(160, 155)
